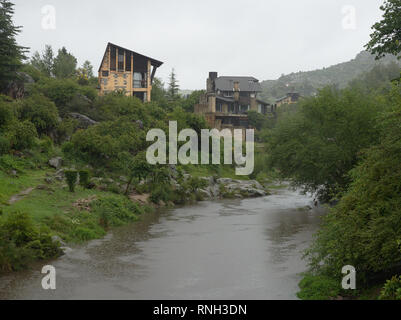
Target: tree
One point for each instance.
(85, 73)
(386, 37)
(11, 54)
(44, 63)
(320, 143)
(41, 112)
(65, 64)
(173, 86)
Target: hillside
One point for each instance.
(307, 83)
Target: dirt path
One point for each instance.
(20, 195)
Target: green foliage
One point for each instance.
(392, 289)
(385, 38)
(84, 178)
(44, 63)
(115, 211)
(22, 135)
(160, 192)
(256, 119)
(41, 112)
(318, 288)
(173, 86)
(21, 242)
(362, 230)
(64, 65)
(71, 177)
(11, 54)
(318, 145)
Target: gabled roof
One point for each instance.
(246, 84)
(154, 62)
(292, 95)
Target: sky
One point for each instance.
(259, 38)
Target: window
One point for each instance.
(120, 60)
(140, 80)
(218, 107)
(127, 61)
(105, 73)
(113, 55)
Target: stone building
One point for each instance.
(289, 98)
(128, 71)
(228, 99)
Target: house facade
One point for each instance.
(289, 98)
(228, 99)
(128, 71)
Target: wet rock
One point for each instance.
(84, 121)
(205, 194)
(59, 240)
(56, 162)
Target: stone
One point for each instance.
(84, 121)
(56, 162)
(59, 240)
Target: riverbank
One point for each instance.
(86, 214)
(228, 248)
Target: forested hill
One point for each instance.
(307, 83)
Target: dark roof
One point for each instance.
(154, 62)
(246, 84)
(293, 95)
(225, 99)
(262, 102)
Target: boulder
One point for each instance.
(84, 121)
(56, 162)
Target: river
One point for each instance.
(228, 249)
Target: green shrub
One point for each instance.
(392, 289)
(115, 211)
(160, 193)
(318, 288)
(71, 177)
(22, 242)
(4, 145)
(84, 178)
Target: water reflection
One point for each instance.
(232, 249)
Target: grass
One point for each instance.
(11, 185)
(54, 200)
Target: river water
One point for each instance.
(229, 249)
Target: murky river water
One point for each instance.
(231, 249)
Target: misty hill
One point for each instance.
(307, 83)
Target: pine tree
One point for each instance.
(11, 54)
(173, 86)
(44, 63)
(65, 64)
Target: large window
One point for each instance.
(113, 56)
(127, 61)
(120, 60)
(139, 80)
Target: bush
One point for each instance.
(115, 211)
(160, 192)
(318, 288)
(392, 289)
(21, 242)
(41, 112)
(71, 177)
(84, 178)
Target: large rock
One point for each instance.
(84, 121)
(56, 162)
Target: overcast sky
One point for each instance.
(260, 38)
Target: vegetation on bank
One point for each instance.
(50, 109)
(344, 145)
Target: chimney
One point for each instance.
(210, 84)
(236, 90)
